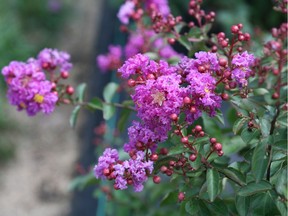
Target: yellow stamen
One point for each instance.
(38, 98)
(158, 97)
(206, 90)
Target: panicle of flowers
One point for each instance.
(28, 86)
(134, 171)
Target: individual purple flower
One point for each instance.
(110, 156)
(125, 11)
(242, 64)
(142, 137)
(50, 59)
(243, 60)
(133, 65)
(161, 6)
(138, 169)
(157, 99)
(110, 61)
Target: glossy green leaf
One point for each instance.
(108, 111)
(96, 103)
(74, 115)
(265, 125)
(219, 117)
(230, 174)
(259, 161)
(242, 205)
(238, 125)
(282, 207)
(263, 204)
(185, 42)
(213, 178)
(170, 198)
(260, 91)
(80, 92)
(254, 188)
(219, 206)
(124, 116)
(109, 91)
(248, 135)
(192, 206)
(282, 183)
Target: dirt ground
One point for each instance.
(36, 181)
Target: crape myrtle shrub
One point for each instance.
(184, 153)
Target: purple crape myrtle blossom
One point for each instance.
(133, 65)
(50, 59)
(125, 11)
(138, 169)
(157, 99)
(28, 88)
(141, 64)
(201, 83)
(111, 60)
(110, 156)
(134, 170)
(242, 64)
(141, 137)
(161, 6)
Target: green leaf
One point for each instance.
(238, 125)
(108, 111)
(179, 27)
(248, 135)
(213, 179)
(177, 149)
(260, 91)
(219, 117)
(195, 32)
(281, 185)
(74, 115)
(282, 207)
(254, 188)
(242, 205)
(232, 175)
(185, 42)
(109, 91)
(96, 103)
(80, 91)
(265, 125)
(219, 206)
(192, 206)
(169, 199)
(263, 204)
(259, 161)
(124, 116)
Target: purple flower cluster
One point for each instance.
(110, 61)
(109, 157)
(28, 88)
(199, 75)
(160, 6)
(129, 172)
(125, 11)
(50, 59)
(242, 64)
